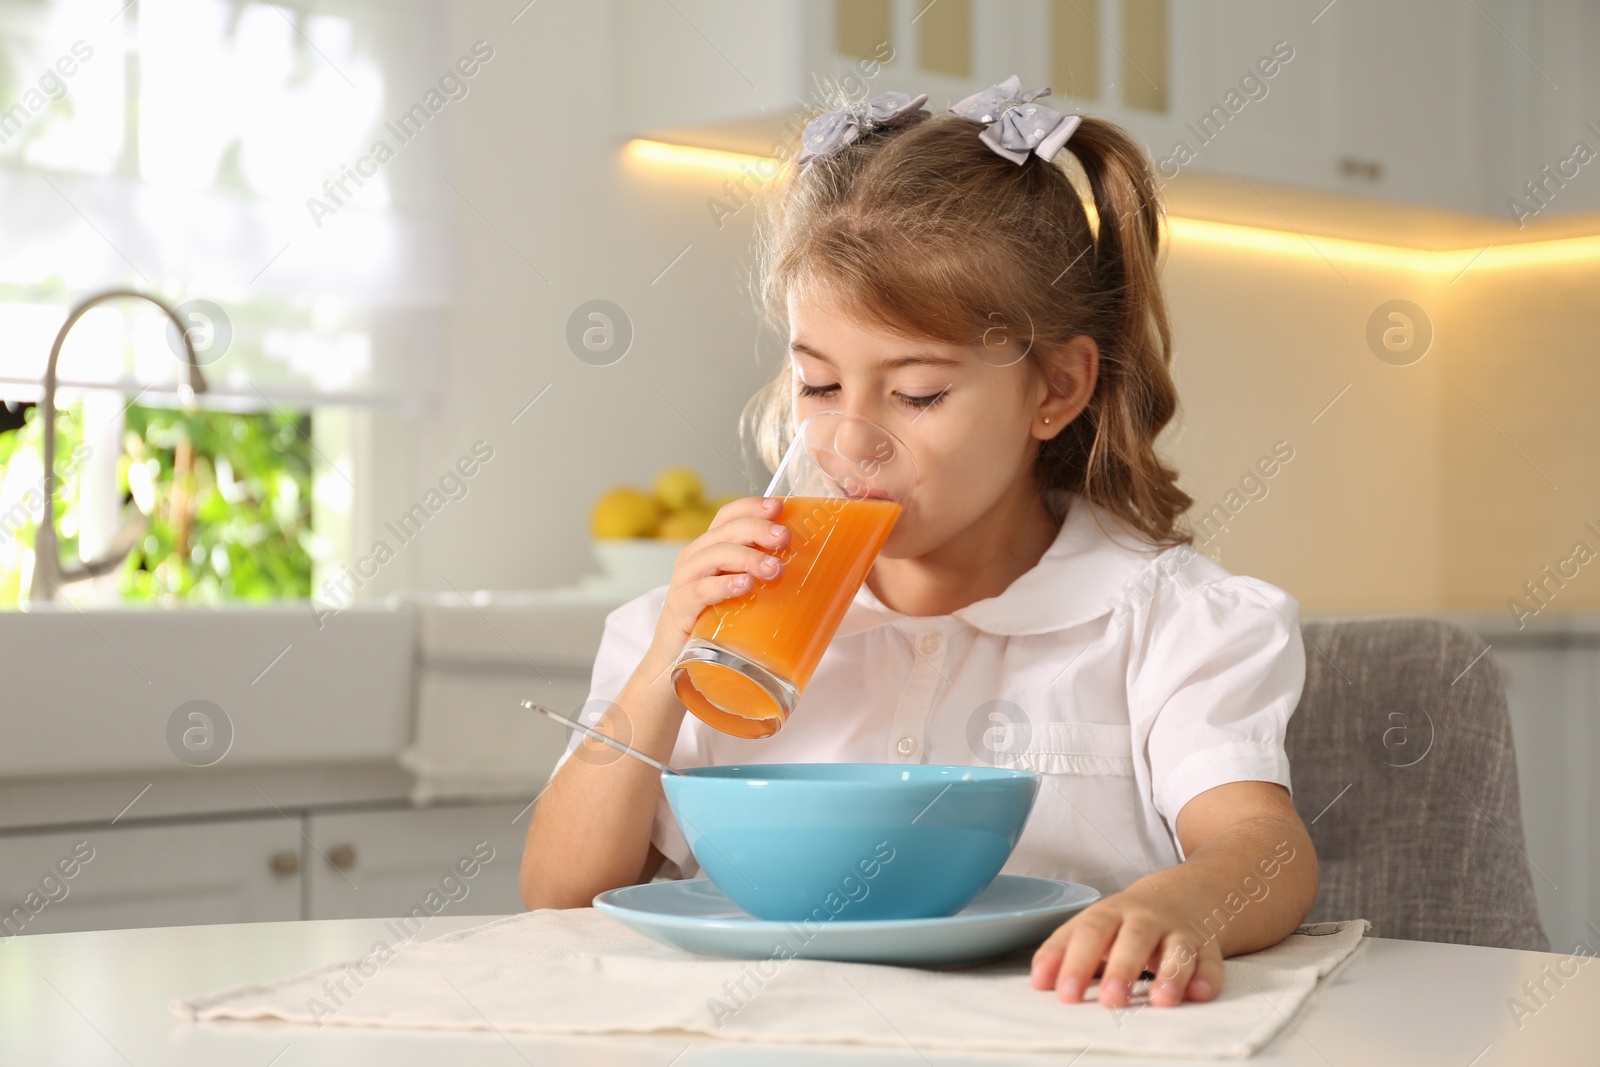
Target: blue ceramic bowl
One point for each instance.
(827, 841)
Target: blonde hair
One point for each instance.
(925, 231)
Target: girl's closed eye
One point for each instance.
(919, 402)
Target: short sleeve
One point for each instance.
(624, 641)
(1212, 691)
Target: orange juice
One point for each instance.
(785, 625)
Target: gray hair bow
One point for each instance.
(830, 131)
(1015, 124)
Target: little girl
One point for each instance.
(1038, 604)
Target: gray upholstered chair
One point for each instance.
(1404, 770)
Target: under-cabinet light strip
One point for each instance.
(1223, 234)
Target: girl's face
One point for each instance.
(971, 416)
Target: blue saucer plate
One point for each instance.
(696, 916)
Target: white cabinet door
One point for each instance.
(1263, 101)
(1556, 74)
(1396, 101)
(416, 861)
(173, 875)
(1415, 99)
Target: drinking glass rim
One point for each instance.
(799, 432)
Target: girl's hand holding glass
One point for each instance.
(841, 487)
(725, 561)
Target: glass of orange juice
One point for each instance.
(843, 482)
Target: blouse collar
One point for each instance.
(1084, 574)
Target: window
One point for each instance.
(275, 172)
(215, 505)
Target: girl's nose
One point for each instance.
(857, 435)
(865, 446)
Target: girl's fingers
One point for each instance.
(1084, 951)
(1047, 957)
(1207, 980)
(717, 587)
(1118, 950)
(727, 558)
(754, 531)
(1173, 971)
(747, 507)
(1136, 941)
(694, 595)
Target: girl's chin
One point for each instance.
(902, 540)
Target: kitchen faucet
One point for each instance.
(48, 573)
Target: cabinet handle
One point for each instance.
(285, 863)
(342, 857)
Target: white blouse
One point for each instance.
(1132, 678)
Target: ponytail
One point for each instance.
(1108, 453)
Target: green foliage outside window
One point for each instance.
(227, 497)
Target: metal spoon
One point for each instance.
(598, 736)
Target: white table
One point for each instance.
(101, 998)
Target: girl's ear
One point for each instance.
(1068, 375)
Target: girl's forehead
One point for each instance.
(822, 306)
(823, 319)
(822, 323)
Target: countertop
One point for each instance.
(91, 801)
(102, 998)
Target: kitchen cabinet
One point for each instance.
(1384, 100)
(1415, 101)
(232, 871)
(1558, 82)
(1410, 102)
(387, 863)
(1432, 102)
(249, 844)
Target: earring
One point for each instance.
(1047, 420)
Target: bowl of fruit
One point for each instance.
(638, 533)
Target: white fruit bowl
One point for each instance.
(642, 562)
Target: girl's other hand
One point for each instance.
(1138, 929)
(724, 562)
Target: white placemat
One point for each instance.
(578, 971)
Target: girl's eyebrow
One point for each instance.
(917, 359)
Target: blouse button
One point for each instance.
(930, 643)
(907, 746)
